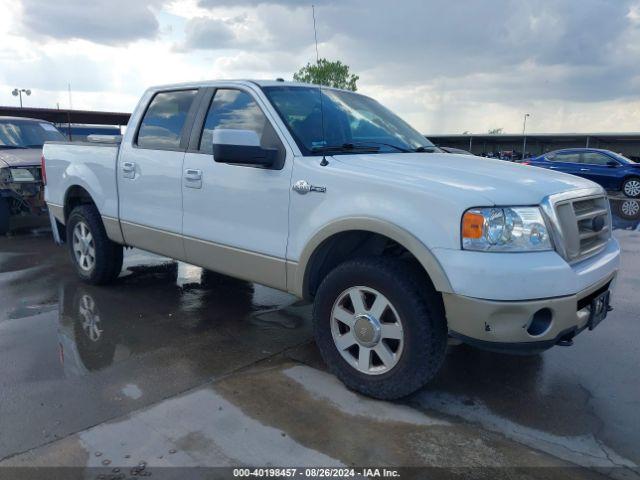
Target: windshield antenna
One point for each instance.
(324, 161)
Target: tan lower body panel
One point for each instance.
(154, 240)
(243, 264)
(112, 227)
(507, 321)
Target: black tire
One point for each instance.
(108, 255)
(625, 185)
(5, 214)
(418, 306)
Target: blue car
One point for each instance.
(611, 170)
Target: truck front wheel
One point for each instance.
(97, 259)
(380, 328)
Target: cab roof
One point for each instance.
(238, 82)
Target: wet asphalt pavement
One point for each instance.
(176, 366)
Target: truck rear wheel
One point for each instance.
(379, 327)
(5, 214)
(97, 259)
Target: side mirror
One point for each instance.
(241, 147)
(612, 164)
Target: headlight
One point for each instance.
(21, 175)
(514, 229)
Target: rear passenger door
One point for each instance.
(235, 218)
(150, 174)
(567, 162)
(595, 167)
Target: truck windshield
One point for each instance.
(353, 123)
(27, 134)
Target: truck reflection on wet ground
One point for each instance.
(148, 310)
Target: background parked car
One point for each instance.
(21, 141)
(611, 170)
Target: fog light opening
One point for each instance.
(540, 322)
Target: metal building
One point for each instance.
(626, 143)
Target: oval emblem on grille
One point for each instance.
(597, 223)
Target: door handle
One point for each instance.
(584, 169)
(193, 178)
(128, 169)
(192, 174)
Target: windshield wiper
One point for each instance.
(345, 147)
(359, 146)
(391, 145)
(12, 146)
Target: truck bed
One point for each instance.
(89, 165)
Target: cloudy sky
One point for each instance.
(445, 66)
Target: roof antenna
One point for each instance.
(324, 161)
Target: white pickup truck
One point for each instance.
(326, 194)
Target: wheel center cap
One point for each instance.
(367, 330)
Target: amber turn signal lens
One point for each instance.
(472, 225)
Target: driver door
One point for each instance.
(235, 216)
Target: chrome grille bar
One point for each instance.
(580, 222)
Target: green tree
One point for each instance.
(330, 74)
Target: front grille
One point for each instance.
(584, 224)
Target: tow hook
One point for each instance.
(565, 341)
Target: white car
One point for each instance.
(326, 194)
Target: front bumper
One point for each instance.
(508, 325)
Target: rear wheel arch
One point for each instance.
(359, 237)
(74, 196)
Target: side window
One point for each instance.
(595, 158)
(161, 127)
(567, 157)
(235, 109)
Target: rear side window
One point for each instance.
(595, 158)
(566, 157)
(162, 125)
(235, 109)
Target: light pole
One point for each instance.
(524, 135)
(19, 91)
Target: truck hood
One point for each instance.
(23, 157)
(497, 181)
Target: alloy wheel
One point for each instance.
(630, 208)
(84, 248)
(632, 188)
(367, 330)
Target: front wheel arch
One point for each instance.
(302, 282)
